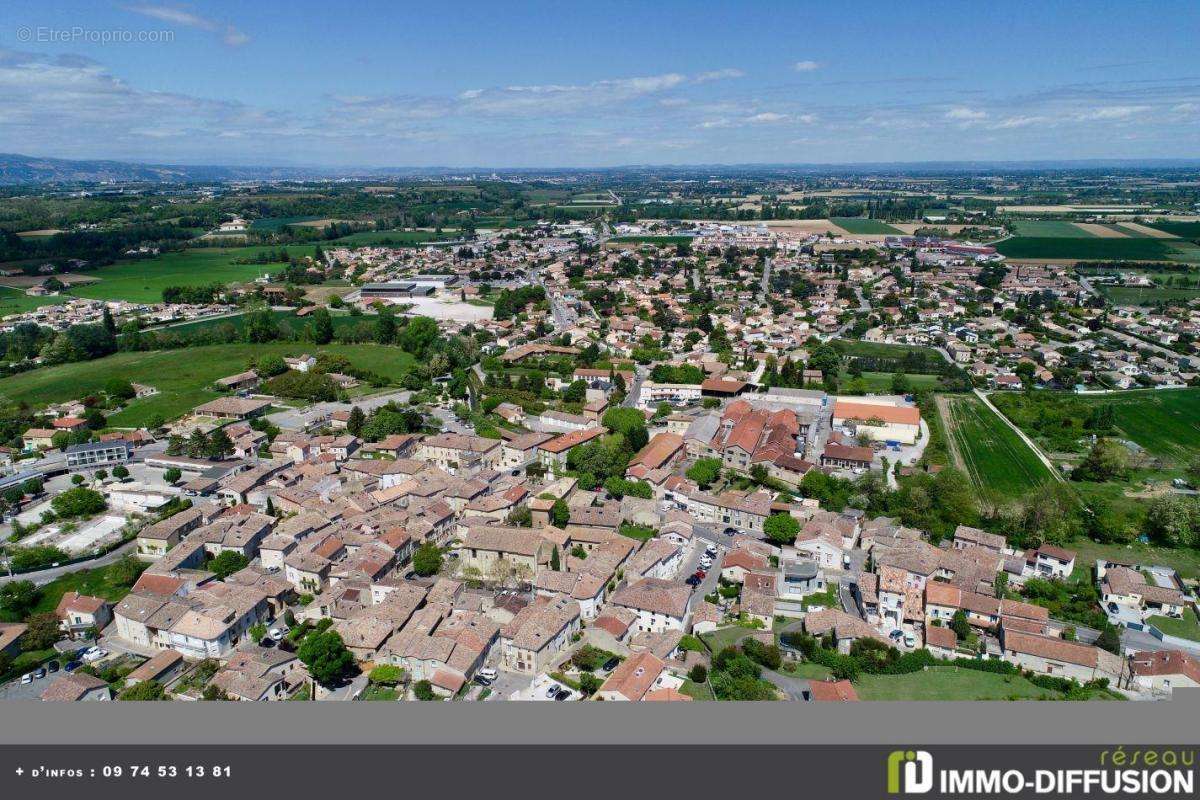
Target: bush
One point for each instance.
(427, 559)
(145, 690)
(698, 674)
(767, 655)
(29, 558)
(386, 675)
(42, 633)
(226, 563)
(423, 690)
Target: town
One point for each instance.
(618, 451)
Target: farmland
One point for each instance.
(864, 226)
(1184, 230)
(143, 280)
(1090, 248)
(394, 237)
(1049, 229)
(15, 301)
(1148, 295)
(999, 463)
(182, 377)
(1166, 423)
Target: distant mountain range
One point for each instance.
(19, 169)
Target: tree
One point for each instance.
(418, 335)
(901, 384)
(226, 563)
(258, 632)
(172, 475)
(219, 445)
(78, 502)
(555, 564)
(386, 675)
(960, 625)
(42, 632)
(589, 684)
(19, 597)
(322, 326)
(77, 479)
(1193, 471)
(1107, 460)
(423, 690)
(427, 560)
(143, 691)
(698, 674)
(126, 570)
(781, 528)
(355, 422)
(119, 389)
(1109, 639)
(385, 327)
(120, 473)
(705, 471)
(260, 326)
(326, 657)
(560, 514)
(576, 392)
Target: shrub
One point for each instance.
(78, 502)
(423, 690)
(698, 674)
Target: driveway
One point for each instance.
(794, 688)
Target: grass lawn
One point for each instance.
(721, 638)
(15, 301)
(1186, 628)
(183, 377)
(881, 382)
(949, 683)
(857, 347)
(806, 669)
(142, 280)
(1088, 248)
(999, 463)
(864, 225)
(697, 691)
(1148, 295)
(99, 582)
(379, 693)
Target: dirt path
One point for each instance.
(943, 408)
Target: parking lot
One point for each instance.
(538, 690)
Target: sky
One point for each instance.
(566, 84)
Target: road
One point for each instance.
(764, 288)
(1036, 450)
(863, 308)
(634, 390)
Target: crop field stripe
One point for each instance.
(997, 460)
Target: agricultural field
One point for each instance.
(238, 321)
(276, 223)
(142, 280)
(950, 683)
(1184, 230)
(1148, 295)
(183, 377)
(15, 301)
(864, 226)
(1091, 248)
(1002, 466)
(881, 382)
(1048, 228)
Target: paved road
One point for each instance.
(794, 688)
(634, 390)
(45, 576)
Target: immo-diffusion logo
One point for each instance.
(909, 772)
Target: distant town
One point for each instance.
(672, 436)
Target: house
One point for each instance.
(94, 455)
(81, 614)
(660, 604)
(533, 639)
(232, 408)
(1049, 561)
(634, 678)
(553, 453)
(841, 456)
(241, 382)
(1129, 587)
(941, 641)
(38, 439)
(1048, 655)
(659, 453)
(831, 691)
(76, 687)
(485, 545)
(1164, 671)
(164, 667)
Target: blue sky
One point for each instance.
(599, 84)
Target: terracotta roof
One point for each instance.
(898, 415)
(634, 676)
(832, 691)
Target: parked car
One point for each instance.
(896, 634)
(71, 666)
(551, 690)
(483, 681)
(94, 654)
(910, 640)
(1113, 608)
(611, 664)
(701, 574)
(39, 673)
(27, 677)
(277, 633)
(692, 580)
(488, 673)
(732, 531)
(562, 694)
(52, 667)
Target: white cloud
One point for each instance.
(180, 16)
(719, 75)
(966, 114)
(808, 119)
(1111, 112)
(806, 66)
(767, 116)
(1020, 121)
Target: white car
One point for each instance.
(706, 562)
(276, 634)
(27, 677)
(487, 672)
(552, 690)
(910, 640)
(93, 654)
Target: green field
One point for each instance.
(999, 463)
(1090, 249)
(949, 683)
(238, 321)
(1049, 228)
(864, 225)
(1148, 295)
(1166, 422)
(394, 237)
(15, 301)
(142, 280)
(881, 382)
(181, 376)
(857, 347)
(276, 223)
(1185, 230)
(1184, 560)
